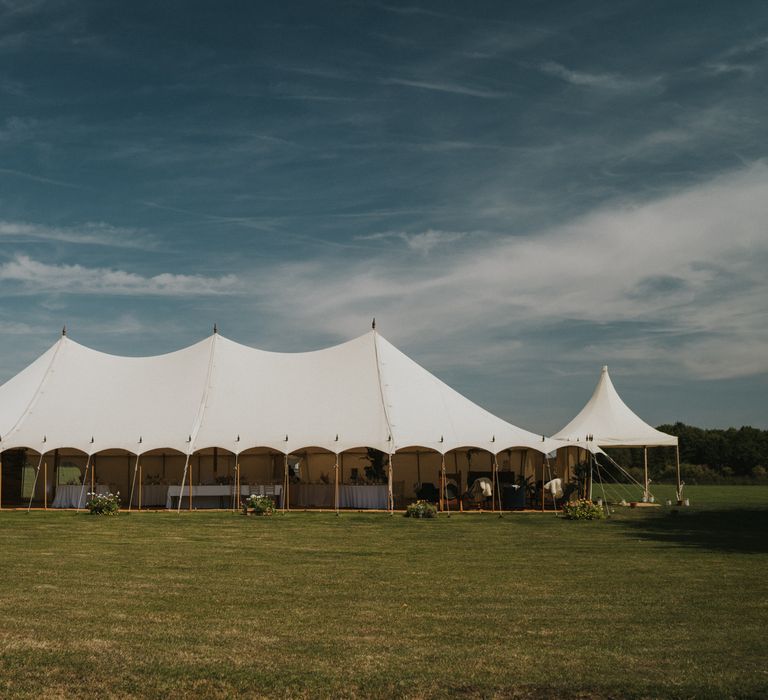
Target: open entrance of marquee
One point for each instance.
(307, 479)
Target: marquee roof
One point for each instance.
(608, 422)
(219, 393)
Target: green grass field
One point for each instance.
(646, 604)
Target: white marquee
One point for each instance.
(219, 393)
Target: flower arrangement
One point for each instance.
(103, 503)
(421, 509)
(583, 509)
(258, 505)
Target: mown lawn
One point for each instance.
(647, 604)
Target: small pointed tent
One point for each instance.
(608, 422)
(218, 393)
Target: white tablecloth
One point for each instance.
(220, 495)
(363, 497)
(151, 495)
(311, 495)
(359, 497)
(67, 495)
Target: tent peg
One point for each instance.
(215, 329)
(189, 438)
(373, 324)
(91, 439)
(64, 331)
(45, 438)
(441, 439)
(493, 438)
(141, 439)
(337, 437)
(286, 438)
(237, 439)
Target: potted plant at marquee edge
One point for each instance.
(258, 505)
(582, 509)
(103, 503)
(421, 509)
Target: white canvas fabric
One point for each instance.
(606, 421)
(218, 393)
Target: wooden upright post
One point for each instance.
(287, 485)
(445, 490)
(542, 486)
(191, 475)
(141, 479)
(679, 483)
(45, 485)
(236, 497)
(336, 488)
(442, 482)
(390, 494)
(1, 479)
(645, 473)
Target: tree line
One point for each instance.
(706, 455)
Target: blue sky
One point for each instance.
(519, 192)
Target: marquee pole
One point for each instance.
(236, 485)
(93, 475)
(679, 483)
(390, 495)
(85, 477)
(645, 473)
(45, 485)
(34, 483)
(497, 485)
(445, 486)
(442, 482)
(191, 479)
(55, 474)
(1, 479)
(141, 483)
(286, 484)
(493, 485)
(542, 486)
(133, 483)
(336, 488)
(183, 481)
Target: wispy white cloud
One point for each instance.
(604, 81)
(423, 242)
(648, 264)
(21, 328)
(39, 178)
(12, 87)
(449, 87)
(90, 233)
(23, 275)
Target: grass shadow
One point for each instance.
(726, 530)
